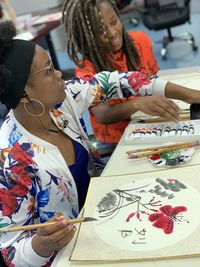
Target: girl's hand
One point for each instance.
(54, 237)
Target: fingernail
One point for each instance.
(65, 221)
(74, 228)
(70, 227)
(61, 217)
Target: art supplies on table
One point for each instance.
(143, 216)
(145, 133)
(172, 158)
(166, 155)
(145, 118)
(46, 18)
(183, 117)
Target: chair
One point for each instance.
(165, 14)
(128, 6)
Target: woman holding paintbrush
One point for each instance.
(46, 159)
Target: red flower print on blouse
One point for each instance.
(8, 202)
(19, 190)
(18, 171)
(22, 176)
(19, 181)
(165, 219)
(32, 203)
(8, 259)
(137, 79)
(20, 155)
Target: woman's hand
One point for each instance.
(153, 105)
(54, 237)
(157, 105)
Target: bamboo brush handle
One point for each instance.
(196, 143)
(158, 151)
(38, 225)
(182, 117)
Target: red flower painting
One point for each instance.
(166, 218)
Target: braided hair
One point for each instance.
(82, 30)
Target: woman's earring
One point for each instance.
(31, 102)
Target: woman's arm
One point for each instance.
(179, 92)
(106, 86)
(143, 85)
(23, 196)
(153, 105)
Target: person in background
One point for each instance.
(46, 159)
(97, 41)
(6, 11)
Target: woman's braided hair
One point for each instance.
(82, 29)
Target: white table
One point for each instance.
(118, 164)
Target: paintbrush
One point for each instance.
(153, 148)
(182, 117)
(41, 225)
(161, 150)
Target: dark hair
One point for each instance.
(7, 32)
(16, 58)
(82, 36)
(1, 11)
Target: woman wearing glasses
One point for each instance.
(46, 159)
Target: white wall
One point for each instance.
(28, 6)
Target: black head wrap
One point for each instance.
(16, 57)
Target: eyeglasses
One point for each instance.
(50, 70)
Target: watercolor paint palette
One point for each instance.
(172, 158)
(162, 132)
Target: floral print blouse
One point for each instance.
(35, 181)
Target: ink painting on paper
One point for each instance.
(141, 216)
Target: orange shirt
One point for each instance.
(111, 133)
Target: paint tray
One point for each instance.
(145, 133)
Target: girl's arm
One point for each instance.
(146, 93)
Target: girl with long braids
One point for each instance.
(46, 159)
(97, 41)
